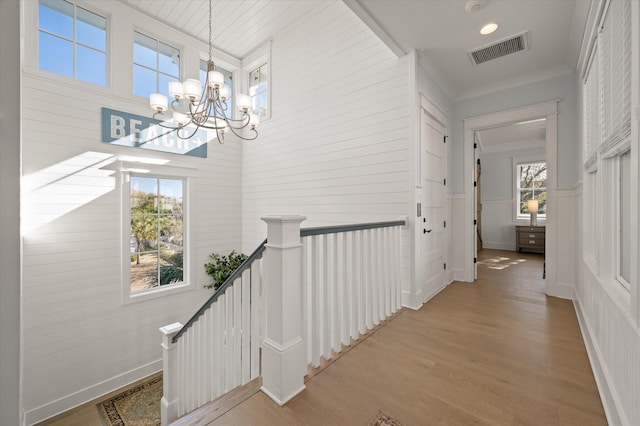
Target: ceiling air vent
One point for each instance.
(500, 48)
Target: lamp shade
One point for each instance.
(192, 89)
(533, 206)
(158, 102)
(243, 102)
(216, 79)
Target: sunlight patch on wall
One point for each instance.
(64, 187)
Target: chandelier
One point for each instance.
(196, 107)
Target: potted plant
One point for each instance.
(221, 267)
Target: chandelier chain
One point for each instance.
(210, 31)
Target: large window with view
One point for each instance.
(531, 184)
(72, 41)
(157, 212)
(155, 64)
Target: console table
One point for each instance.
(530, 238)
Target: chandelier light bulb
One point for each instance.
(254, 120)
(216, 79)
(158, 102)
(180, 119)
(224, 93)
(175, 90)
(192, 89)
(243, 102)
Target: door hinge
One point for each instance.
(475, 183)
(445, 266)
(445, 181)
(445, 139)
(475, 221)
(475, 260)
(445, 223)
(478, 161)
(475, 145)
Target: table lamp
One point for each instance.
(533, 209)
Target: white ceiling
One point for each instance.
(443, 32)
(440, 30)
(525, 135)
(238, 26)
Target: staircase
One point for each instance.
(300, 298)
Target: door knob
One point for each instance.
(426, 231)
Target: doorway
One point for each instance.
(547, 111)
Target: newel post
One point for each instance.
(283, 349)
(169, 402)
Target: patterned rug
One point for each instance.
(138, 406)
(383, 419)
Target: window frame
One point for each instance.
(158, 40)
(615, 171)
(260, 57)
(107, 52)
(159, 172)
(517, 162)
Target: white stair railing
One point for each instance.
(218, 349)
(314, 291)
(351, 282)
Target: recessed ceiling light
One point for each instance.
(489, 28)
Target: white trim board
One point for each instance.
(548, 110)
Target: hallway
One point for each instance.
(497, 351)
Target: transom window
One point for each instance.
(228, 81)
(155, 64)
(531, 184)
(259, 90)
(157, 232)
(72, 41)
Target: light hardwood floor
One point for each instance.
(494, 352)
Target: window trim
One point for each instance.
(617, 242)
(129, 169)
(181, 54)
(32, 45)
(517, 161)
(261, 56)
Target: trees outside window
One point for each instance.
(531, 184)
(157, 232)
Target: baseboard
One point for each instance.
(90, 393)
(458, 275)
(408, 301)
(497, 245)
(607, 395)
(561, 290)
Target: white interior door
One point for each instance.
(433, 197)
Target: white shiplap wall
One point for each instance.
(80, 341)
(338, 146)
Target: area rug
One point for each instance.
(383, 419)
(138, 406)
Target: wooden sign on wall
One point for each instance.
(126, 129)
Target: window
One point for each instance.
(157, 232)
(531, 184)
(155, 64)
(624, 218)
(72, 41)
(228, 81)
(259, 90)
